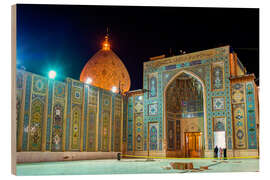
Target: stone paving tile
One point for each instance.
(134, 166)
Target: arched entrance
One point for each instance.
(184, 116)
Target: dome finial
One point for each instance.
(106, 44)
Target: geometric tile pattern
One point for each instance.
(35, 125)
(39, 85)
(153, 85)
(251, 116)
(138, 131)
(85, 117)
(35, 128)
(117, 124)
(239, 126)
(153, 109)
(76, 115)
(238, 93)
(59, 89)
(75, 135)
(106, 114)
(92, 118)
(215, 84)
(57, 109)
(178, 134)
(57, 127)
(71, 116)
(219, 124)
(153, 136)
(138, 104)
(171, 134)
(218, 103)
(125, 109)
(130, 124)
(49, 115)
(19, 99)
(217, 76)
(211, 67)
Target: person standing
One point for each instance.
(220, 151)
(225, 153)
(216, 152)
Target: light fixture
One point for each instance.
(114, 89)
(52, 74)
(88, 80)
(140, 98)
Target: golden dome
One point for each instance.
(106, 70)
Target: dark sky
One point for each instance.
(65, 37)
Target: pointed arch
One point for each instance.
(165, 106)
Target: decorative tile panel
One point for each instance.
(57, 126)
(36, 121)
(219, 123)
(19, 100)
(153, 85)
(68, 118)
(217, 76)
(138, 104)
(153, 109)
(171, 134)
(39, 84)
(85, 109)
(218, 103)
(239, 126)
(130, 125)
(77, 95)
(49, 115)
(125, 109)
(138, 131)
(251, 116)
(117, 124)
(238, 93)
(91, 142)
(75, 133)
(106, 119)
(153, 136)
(59, 90)
(200, 65)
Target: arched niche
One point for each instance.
(184, 115)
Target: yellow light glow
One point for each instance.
(106, 44)
(89, 80)
(114, 89)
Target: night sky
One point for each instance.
(64, 38)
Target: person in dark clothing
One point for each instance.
(216, 152)
(225, 153)
(118, 156)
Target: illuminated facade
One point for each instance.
(188, 105)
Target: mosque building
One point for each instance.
(189, 104)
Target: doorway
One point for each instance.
(193, 144)
(220, 139)
(184, 116)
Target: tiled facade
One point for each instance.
(66, 116)
(213, 69)
(73, 116)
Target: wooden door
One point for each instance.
(193, 144)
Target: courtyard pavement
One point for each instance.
(134, 166)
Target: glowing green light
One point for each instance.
(52, 74)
